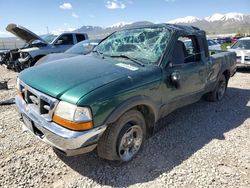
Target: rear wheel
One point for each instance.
(123, 139)
(219, 92)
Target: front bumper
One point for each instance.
(67, 141)
(241, 61)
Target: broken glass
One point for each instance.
(144, 44)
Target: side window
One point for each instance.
(186, 50)
(66, 39)
(80, 37)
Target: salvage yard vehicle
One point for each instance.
(242, 49)
(81, 48)
(112, 98)
(37, 47)
(3, 56)
(213, 45)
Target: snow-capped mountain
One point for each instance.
(187, 19)
(214, 17)
(101, 32)
(120, 24)
(215, 24)
(232, 16)
(232, 22)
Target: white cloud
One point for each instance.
(74, 15)
(66, 6)
(115, 4)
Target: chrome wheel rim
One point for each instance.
(130, 143)
(221, 90)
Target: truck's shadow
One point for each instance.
(187, 130)
(244, 69)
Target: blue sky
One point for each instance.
(59, 15)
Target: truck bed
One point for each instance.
(225, 59)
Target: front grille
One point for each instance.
(39, 102)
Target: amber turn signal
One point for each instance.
(76, 126)
(19, 93)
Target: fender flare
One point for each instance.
(131, 103)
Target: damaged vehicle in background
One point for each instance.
(3, 53)
(81, 48)
(37, 47)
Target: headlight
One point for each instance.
(73, 117)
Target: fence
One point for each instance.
(10, 43)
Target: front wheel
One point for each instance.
(219, 92)
(123, 139)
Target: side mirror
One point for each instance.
(59, 42)
(175, 79)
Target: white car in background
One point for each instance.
(213, 45)
(242, 49)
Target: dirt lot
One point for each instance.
(201, 145)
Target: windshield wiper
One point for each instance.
(99, 53)
(130, 58)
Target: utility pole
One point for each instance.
(47, 29)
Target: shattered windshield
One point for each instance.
(144, 44)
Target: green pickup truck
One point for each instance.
(112, 98)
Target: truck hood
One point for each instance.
(54, 56)
(23, 33)
(72, 78)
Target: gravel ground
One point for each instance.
(202, 145)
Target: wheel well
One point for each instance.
(148, 115)
(226, 73)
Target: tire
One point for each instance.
(127, 133)
(219, 92)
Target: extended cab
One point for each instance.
(37, 47)
(112, 98)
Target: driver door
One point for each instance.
(64, 42)
(184, 78)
